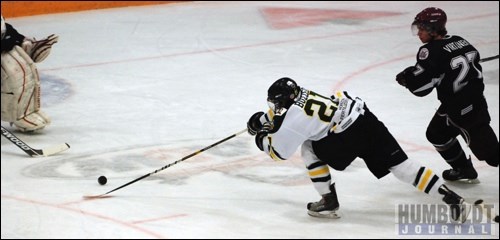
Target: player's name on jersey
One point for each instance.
(303, 97)
(456, 45)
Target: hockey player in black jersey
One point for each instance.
(334, 131)
(451, 65)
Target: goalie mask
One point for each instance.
(282, 94)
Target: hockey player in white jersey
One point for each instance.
(20, 81)
(333, 131)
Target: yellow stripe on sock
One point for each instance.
(425, 180)
(320, 171)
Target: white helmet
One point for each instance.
(4, 28)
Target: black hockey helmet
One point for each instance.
(431, 19)
(282, 93)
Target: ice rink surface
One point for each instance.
(134, 89)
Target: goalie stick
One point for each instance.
(31, 151)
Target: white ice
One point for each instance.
(134, 89)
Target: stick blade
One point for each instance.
(90, 197)
(55, 149)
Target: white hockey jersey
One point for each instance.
(311, 117)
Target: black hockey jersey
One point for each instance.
(451, 65)
(11, 38)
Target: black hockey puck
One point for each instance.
(102, 180)
(496, 219)
(479, 201)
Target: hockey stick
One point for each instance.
(31, 151)
(486, 211)
(488, 59)
(167, 166)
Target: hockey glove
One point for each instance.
(262, 134)
(38, 50)
(404, 75)
(254, 125)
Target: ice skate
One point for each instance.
(466, 174)
(327, 207)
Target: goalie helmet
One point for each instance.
(4, 28)
(431, 19)
(282, 94)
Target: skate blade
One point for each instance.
(469, 181)
(466, 181)
(324, 214)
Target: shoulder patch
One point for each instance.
(423, 54)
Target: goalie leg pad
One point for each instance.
(33, 122)
(21, 90)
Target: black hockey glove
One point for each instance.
(262, 134)
(404, 75)
(254, 125)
